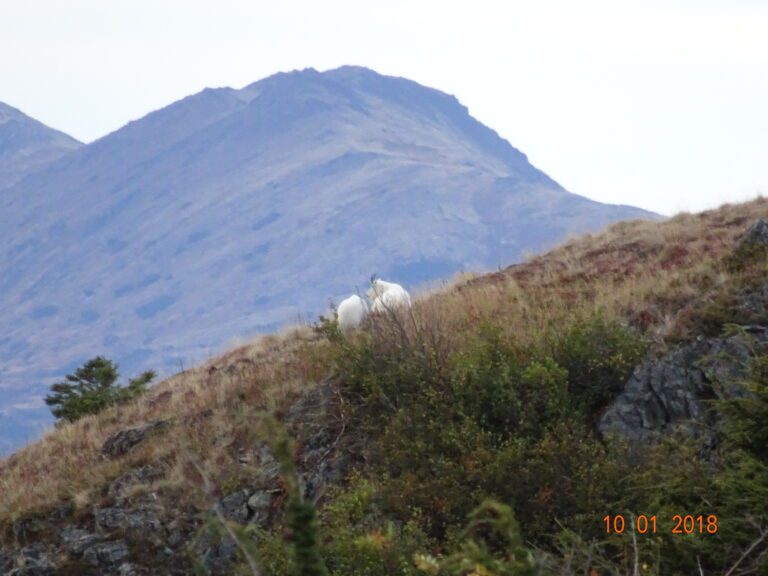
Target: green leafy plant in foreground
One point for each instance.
(301, 514)
(491, 546)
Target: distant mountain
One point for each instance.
(234, 211)
(27, 145)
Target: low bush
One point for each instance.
(599, 355)
(515, 423)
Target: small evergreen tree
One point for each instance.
(92, 388)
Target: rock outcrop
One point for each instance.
(123, 441)
(133, 530)
(756, 235)
(673, 392)
(751, 249)
(32, 561)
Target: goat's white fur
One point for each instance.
(387, 296)
(351, 312)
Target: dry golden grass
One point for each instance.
(205, 404)
(645, 273)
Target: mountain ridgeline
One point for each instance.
(232, 212)
(27, 145)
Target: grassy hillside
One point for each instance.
(457, 438)
(209, 221)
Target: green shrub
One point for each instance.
(274, 555)
(92, 388)
(564, 477)
(359, 540)
(500, 427)
(745, 256)
(746, 413)
(495, 386)
(432, 466)
(378, 380)
(742, 479)
(302, 521)
(599, 355)
(491, 545)
(731, 482)
(517, 425)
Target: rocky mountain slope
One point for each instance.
(27, 145)
(231, 212)
(622, 373)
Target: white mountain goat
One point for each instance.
(387, 295)
(351, 312)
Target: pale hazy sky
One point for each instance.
(661, 104)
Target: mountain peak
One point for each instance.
(229, 212)
(27, 145)
(367, 91)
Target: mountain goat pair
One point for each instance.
(383, 295)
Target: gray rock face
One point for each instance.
(32, 561)
(235, 506)
(106, 554)
(96, 544)
(137, 518)
(218, 556)
(28, 529)
(123, 441)
(757, 234)
(751, 249)
(6, 562)
(232, 211)
(128, 569)
(260, 504)
(672, 392)
(77, 540)
(316, 422)
(249, 506)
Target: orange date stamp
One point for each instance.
(644, 524)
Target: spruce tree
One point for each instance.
(91, 389)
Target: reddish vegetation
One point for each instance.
(647, 273)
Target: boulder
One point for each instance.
(260, 505)
(106, 554)
(246, 506)
(234, 506)
(32, 561)
(123, 441)
(139, 518)
(756, 235)
(6, 562)
(751, 249)
(673, 392)
(128, 569)
(316, 422)
(218, 554)
(77, 540)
